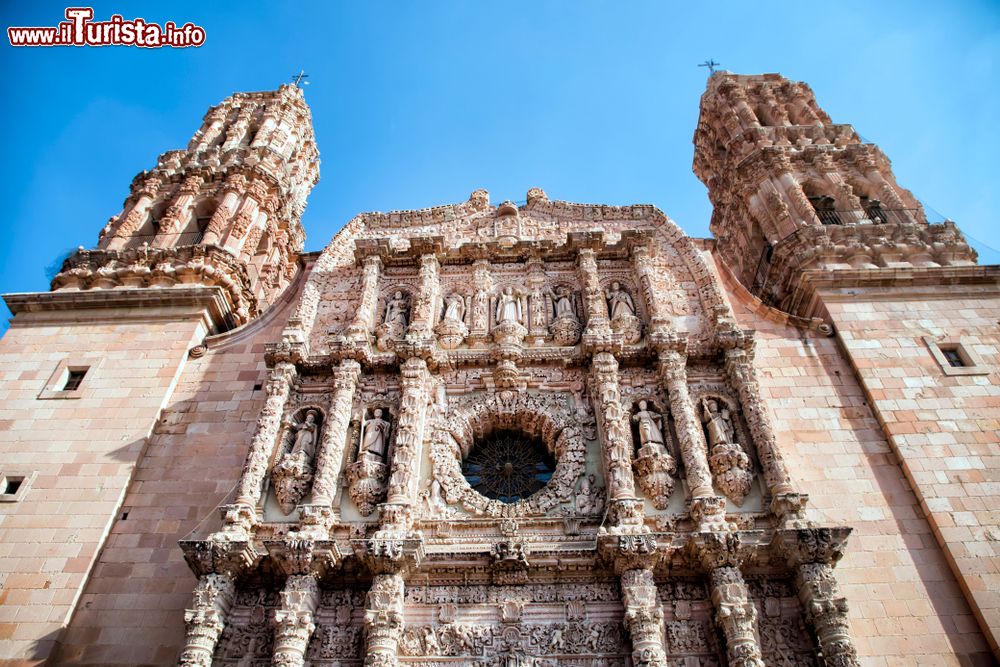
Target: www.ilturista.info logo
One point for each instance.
(80, 30)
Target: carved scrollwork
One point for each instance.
(542, 416)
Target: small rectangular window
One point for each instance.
(73, 379)
(11, 485)
(953, 357)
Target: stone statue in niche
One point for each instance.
(566, 323)
(650, 426)
(394, 321)
(509, 312)
(730, 465)
(292, 473)
(367, 476)
(622, 310)
(451, 330)
(654, 466)
(509, 308)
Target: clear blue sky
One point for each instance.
(418, 104)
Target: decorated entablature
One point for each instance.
(535, 435)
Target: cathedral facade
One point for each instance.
(533, 434)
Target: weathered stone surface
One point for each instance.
(547, 434)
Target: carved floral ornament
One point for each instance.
(544, 417)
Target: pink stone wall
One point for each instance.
(132, 609)
(943, 428)
(906, 607)
(82, 451)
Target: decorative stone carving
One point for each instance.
(654, 466)
(614, 426)
(383, 620)
(334, 437)
(643, 618)
(589, 497)
(730, 465)
(361, 326)
(673, 370)
(292, 473)
(294, 620)
(543, 416)
(278, 388)
(451, 330)
(565, 325)
(394, 321)
(205, 620)
(622, 310)
(368, 475)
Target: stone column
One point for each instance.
(133, 220)
(643, 618)
(384, 620)
(736, 616)
(826, 613)
(593, 297)
(409, 431)
(425, 305)
(624, 507)
(743, 379)
(279, 386)
(364, 317)
(220, 218)
(338, 421)
(206, 620)
(694, 450)
(642, 265)
(293, 621)
(178, 213)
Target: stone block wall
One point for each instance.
(77, 454)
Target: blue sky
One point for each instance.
(418, 104)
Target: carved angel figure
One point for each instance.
(396, 311)
(718, 423)
(508, 307)
(375, 440)
(305, 437)
(650, 425)
(454, 308)
(620, 304)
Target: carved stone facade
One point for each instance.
(538, 435)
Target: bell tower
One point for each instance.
(224, 212)
(793, 191)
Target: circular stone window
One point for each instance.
(508, 466)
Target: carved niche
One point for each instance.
(566, 326)
(654, 466)
(395, 318)
(368, 475)
(292, 473)
(452, 330)
(732, 469)
(542, 417)
(622, 311)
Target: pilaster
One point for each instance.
(206, 619)
(278, 388)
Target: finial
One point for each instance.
(298, 79)
(711, 65)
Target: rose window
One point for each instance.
(508, 466)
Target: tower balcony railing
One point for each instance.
(876, 215)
